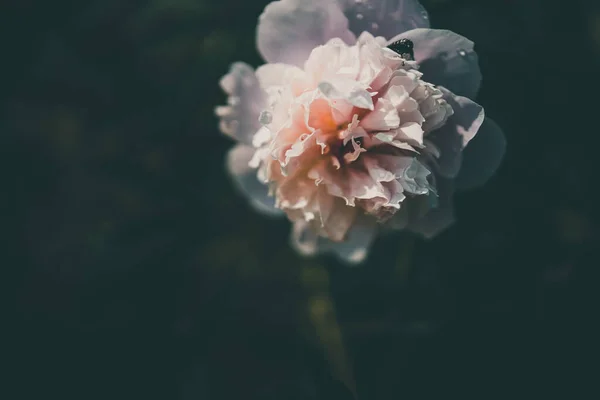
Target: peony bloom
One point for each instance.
(357, 122)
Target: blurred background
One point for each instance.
(135, 271)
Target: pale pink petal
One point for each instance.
(296, 194)
(397, 195)
(274, 76)
(355, 153)
(245, 177)
(384, 17)
(376, 69)
(354, 131)
(333, 60)
(320, 115)
(409, 80)
(348, 90)
(349, 184)
(388, 138)
(399, 96)
(342, 111)
(383, 118)
(303, 143)
(446, 59)
(288, 30)
(239, 118)
(396, 164)
(337, 219)
(361, 185)
(411, 133)
(380, 169)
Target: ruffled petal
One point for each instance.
(335, 59)
(383, 118)
(350, 91)
(336, 217)
(447, 59)
(245, 178)
(386, 18)
(239, 118)
(482, 157)
(460, 128)
(273, 76)
(288, 30)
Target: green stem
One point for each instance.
(322, 316)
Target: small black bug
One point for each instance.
(404, 47)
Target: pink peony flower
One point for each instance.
(357, 123)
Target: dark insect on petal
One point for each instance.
(404, 47)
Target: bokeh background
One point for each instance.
(134, 270)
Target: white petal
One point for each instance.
(446, 59)
(383, 118)
(288, 30)
(385, 17)
(245, 177)
(278, 74)
(239, 119)
(348, 90)
(460, 128)
(412, 133)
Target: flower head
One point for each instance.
(348, 133)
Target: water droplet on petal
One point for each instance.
(265, 117)
(359, 16)
(461, 52)
(374, 26)
(424, 14)
(233, 100)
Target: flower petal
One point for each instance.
(460, 128)
(288, 30)
(482, 157)
(348, 90)
(239, 118)
(386, 18)
(355, 248)
(278, 74)
(436, 219)
(446, 59)
(245, 177)
(352, 251)
(383, 118)
(304, 239)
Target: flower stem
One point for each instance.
(323, 318)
